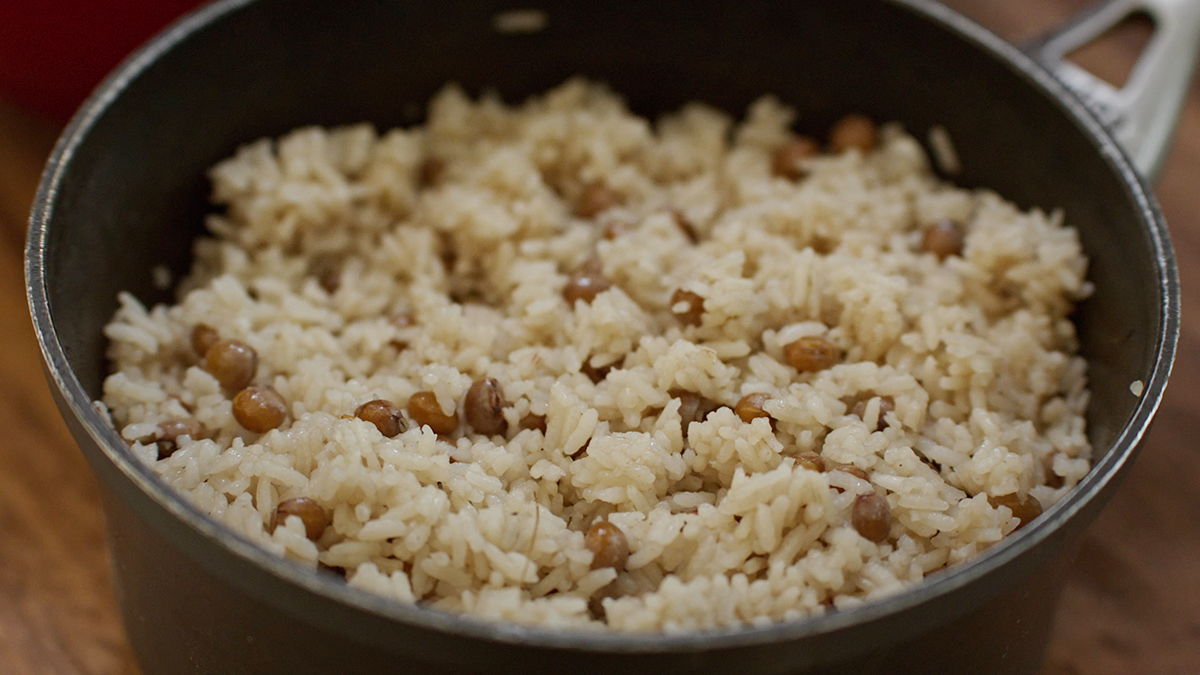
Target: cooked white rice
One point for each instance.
(725, 527)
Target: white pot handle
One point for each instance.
(1142, 114)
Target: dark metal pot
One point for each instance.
(125, 191)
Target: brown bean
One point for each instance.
(595, 199)
(233, 363)
(693, 307)
(483, 406)
(854, 471)
(786, 160)
(424, 409)
(592, 265)
(585, 285)
(429, 173)
(204, 337)
(750, 407)
(811, 353)
(259, 409)
(330, 280)
(531, 421)
(943, 238)
(811, 461)
(872, 517)
(384, 414)
(685, 226)
(608, 545)
(308, 510)
(169, 432)
(852, 131)
(886, 405)
(1024, 509)
(692, 407)
(822, 244)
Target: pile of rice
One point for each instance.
(725, 527)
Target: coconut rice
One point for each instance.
(444, 279)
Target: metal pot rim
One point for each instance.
(82, 408)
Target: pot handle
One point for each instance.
(1141, 115)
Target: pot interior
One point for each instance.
(130, 191)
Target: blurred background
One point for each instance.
(1130, 606)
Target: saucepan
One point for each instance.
(125, 192)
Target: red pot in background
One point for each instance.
(54, 52)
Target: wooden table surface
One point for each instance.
(1132, 604)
